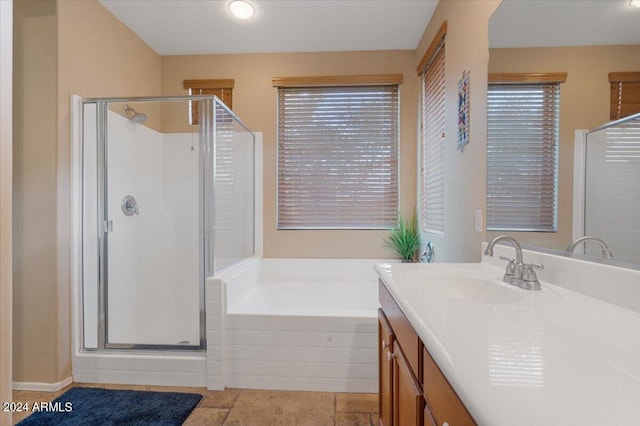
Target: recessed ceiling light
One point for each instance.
(634, 3)
(241, 9)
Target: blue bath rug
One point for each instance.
(95, 406)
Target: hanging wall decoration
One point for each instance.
(463, 110)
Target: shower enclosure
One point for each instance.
(167, 199)
(612, 188)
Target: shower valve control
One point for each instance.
(129, 206)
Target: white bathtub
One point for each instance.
(295, 324)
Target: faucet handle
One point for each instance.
(510, 271)
(537, 266)
(529, 279)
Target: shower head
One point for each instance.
(133, 115)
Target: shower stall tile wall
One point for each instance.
(154, 254)
(158, 206)
(155, 251)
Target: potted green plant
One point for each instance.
(405, 239)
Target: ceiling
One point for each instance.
(182, 27)
(543, 23)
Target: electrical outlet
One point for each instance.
(479, 221)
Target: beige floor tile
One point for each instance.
(33, 396)
(353, 419)
(282, 408)
(206, 416)
(18, 417)
(375, 419)
(219, 399)
(357, 402)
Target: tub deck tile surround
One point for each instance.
(294, 324)
(234, 407)
(215, 307)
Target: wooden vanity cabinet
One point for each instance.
(385, 365)
(442, 400)
(407, 395)
(404, 399)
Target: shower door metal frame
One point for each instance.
(206, 211)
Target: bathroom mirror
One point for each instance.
(587, 40)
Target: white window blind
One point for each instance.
(432, 209)
(338, 157)
(522, 156)
(224, 178)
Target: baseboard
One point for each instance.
(42, 387)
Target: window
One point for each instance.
(432, 71)
(522, 151)
(338, 152)
(625, 94)
(222, 88)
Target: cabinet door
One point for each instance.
(440, 397)
(428, 418)
(385, 363)
(407, 395)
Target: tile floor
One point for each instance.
(247, 407)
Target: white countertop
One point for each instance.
(518, 357)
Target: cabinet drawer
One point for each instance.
(403, 331)
(441, 399)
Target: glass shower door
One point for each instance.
(152, 211)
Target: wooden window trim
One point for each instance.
(226, 83)
(432, 49)
(624, 76)
(531, 77)
(339, 80)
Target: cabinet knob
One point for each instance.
(390, 356)
(384, 344)
(445, 424)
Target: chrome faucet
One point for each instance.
(517, 273)
(606, 252)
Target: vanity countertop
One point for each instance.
(518, 357)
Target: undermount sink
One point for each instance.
(482, 289)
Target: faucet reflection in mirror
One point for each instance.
(517, 273)
(606, 252)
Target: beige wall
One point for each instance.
(63, 48)
(254, 100)
(34, 166)
(467, 48)
(6, 166)
(584, 104)
(99, 56)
